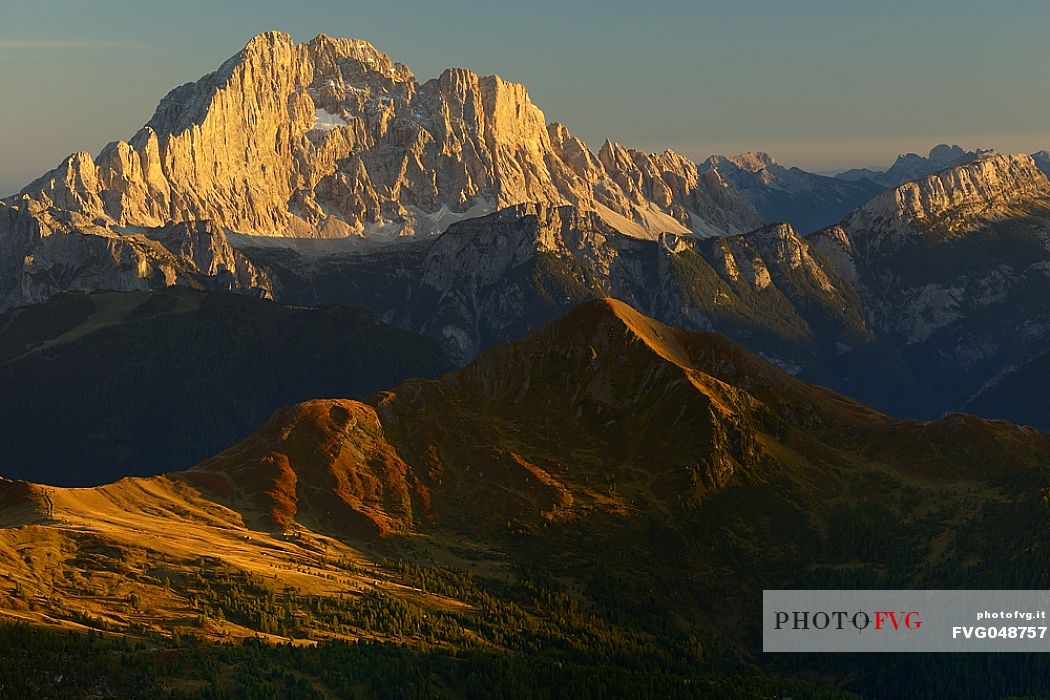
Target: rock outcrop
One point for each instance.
(953, 201)
(44, 251)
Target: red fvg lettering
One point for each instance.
(909, 619)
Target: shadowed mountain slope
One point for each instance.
(1018, 394)
(603, 413)
(807, 201)
(954, 273)
(144, 383)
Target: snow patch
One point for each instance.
(420, 225)
(702, 228)
(326, 121)
(653, 222)
(429, 223)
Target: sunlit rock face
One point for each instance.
(332, 138)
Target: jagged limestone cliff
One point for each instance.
(326, 139)
(332, 138)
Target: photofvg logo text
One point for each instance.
(909, 621)
(877, 620)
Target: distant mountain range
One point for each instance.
(328, 139)
(912, 166)
(332, 138)
(805, 200)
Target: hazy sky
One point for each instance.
(821, 84)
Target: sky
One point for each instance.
(819, 84)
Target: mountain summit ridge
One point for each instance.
(333, 138)
(912, 166)
(953, 199)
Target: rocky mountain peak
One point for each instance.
(752, 161)
(333, 138)
(943, 153)
(271, 66)
(936, 209)
(609, 328)
(266, 41)
(778, 231)
(984, 188)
